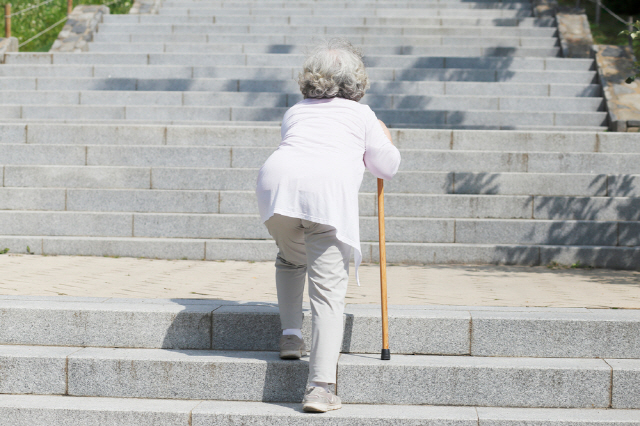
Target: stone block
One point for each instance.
(168, 113)
(586, 208)
(620, 185)
(531, 183)
(536, 232)
(76, 177)
(157, 201)
(151, 248)
(114, 325)
(211, 179)
(227, 136)
(41, 410)
(17, 83)
(70, 112)
(599, 257)
(130, 98)
(87, 84)
(255, 73)
(459, 206)
(25, 154)
(251, 328)
(65, 223)
(596, 334)
(18, 244)
(583, 163)
(265, 100)
(434, 253)
(13, 133)
(463, 88)
(629, 233)
(139, 71)
(464, 161)
(626, 374)
(619, 142)
(228, 413)
(156, 156)
(198, 60)
(416, 230)
(253, 250)
(95, 134)
(34, 369)
(199, 226)
(186, 374)
(445, 380)
(32, 199)
(501, 140)
(498, 416)
(410, 332)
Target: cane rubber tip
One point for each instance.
(386, 355)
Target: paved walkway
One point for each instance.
(254, 281)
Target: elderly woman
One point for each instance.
(308, 199)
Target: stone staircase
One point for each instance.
(149, 144)
(126, 362)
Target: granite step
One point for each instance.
(253, 326)
(262, 376)
(499, 10)
(398, 205)
(344, 30)
(270, 99)
(393, 117)
(255, 136)
(184, 178)
(283, 19)
(41, 410)
(264, 250)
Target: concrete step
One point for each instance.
(345, 30)
(393, 117)
(243, 180)
(248, 226)
(398, 205)
(465, 140)
(253, 326)
(31, 410)
(262, 376)
(253, 157)
(277, 5)
(451, 9)
(235, 99)
(289, 86)
(282, 19)
(265, 250)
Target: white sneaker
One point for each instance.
(320, 400)
(292, 347)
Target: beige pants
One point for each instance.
(309, 247)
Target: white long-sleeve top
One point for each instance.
(316, 172)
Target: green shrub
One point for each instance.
(29, 24)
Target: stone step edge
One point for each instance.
(29, 410)
(612, 257)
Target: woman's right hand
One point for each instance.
(386, 131)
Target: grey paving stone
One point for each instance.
(41, 410)
(34, 369)
(496, 416)
(152, 248)
(18, 222)
(186, 374)
(413, 332)
(626, 373)
(251, 328)
(599, 334)
(229, 412)
(95, 134)
(443, 380)
(112, 325)
(26, 154)
(77, 177)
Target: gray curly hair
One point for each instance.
(334, 68)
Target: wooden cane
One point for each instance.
(386, 353)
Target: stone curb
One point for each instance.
(79, 29)
(7, 45)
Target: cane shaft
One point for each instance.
(383, 266)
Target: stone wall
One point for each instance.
(79, 29)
